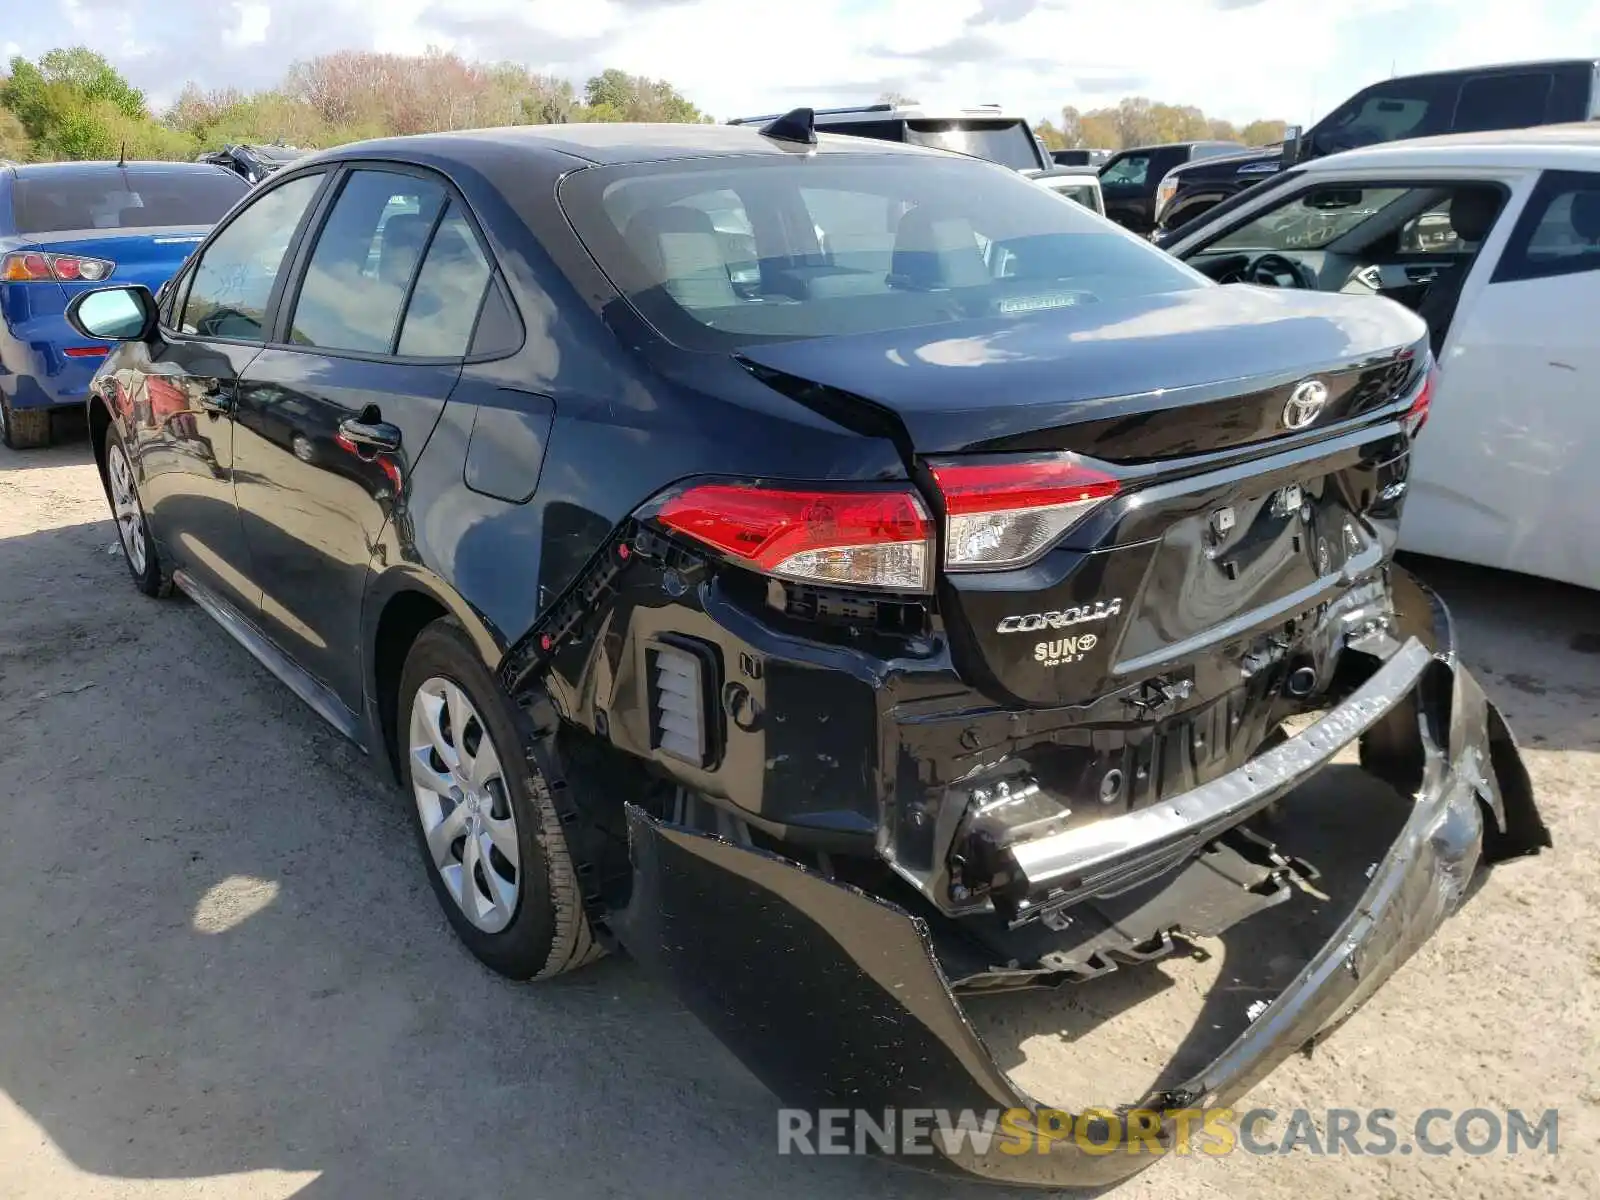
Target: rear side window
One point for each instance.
(1503, 101)
(130, 198)
(232, 281)
(448, 293)
(1558, 232)
(361, 268)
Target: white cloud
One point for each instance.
(254, 21)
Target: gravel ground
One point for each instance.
(223, 974)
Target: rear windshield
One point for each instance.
(720, 252)
(1005, 142)
(122, 198)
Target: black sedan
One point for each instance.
(838, 572)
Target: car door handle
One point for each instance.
(377, 436)
(1422, 274)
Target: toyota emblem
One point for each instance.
(1305, 405)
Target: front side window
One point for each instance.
(1558, 232)
(365, 256)
(1311, 220)
(232, 282)
(848, 244)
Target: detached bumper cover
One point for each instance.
(835, 998)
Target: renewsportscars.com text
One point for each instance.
(1208, 1131)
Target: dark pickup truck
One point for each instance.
(1476, 98)
(1130, 176)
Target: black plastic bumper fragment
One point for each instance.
(835, 998)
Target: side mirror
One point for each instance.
(115, 314)
(1291, 146)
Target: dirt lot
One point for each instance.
(222, 972)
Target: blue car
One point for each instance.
(67, 228)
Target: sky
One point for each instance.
(1237, 59)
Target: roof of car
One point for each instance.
(1538, 146)
(612, 143)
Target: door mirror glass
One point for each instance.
(121, 314)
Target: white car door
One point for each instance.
(1507, 472)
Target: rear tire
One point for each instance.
(24, 429)
(489, 836)
(133, 530)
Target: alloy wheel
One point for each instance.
(125, 507)
(464, 804)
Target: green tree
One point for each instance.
(615, 95)
(1262, 133)
(1050, 135)
(15, 144)
(95, 79)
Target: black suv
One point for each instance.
(899, 600)
(1130, 177)
(1465, 101)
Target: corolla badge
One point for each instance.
(1305, 405)
(1100, 610)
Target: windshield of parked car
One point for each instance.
(1127, 171)
(1312, 220)
(719, 252)
(122, 198)
(1005, 142)
(1387, 112)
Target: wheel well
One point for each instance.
(405, 616)
(99, 422)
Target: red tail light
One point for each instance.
(848, 539)
(1005, 513)
(1417, 414)
(32, 265)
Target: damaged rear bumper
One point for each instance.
(836, 998)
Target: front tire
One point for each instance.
(133, 531)
(488, 833)
(24, 429)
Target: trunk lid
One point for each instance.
(1148, 377)
(1235, 518)
(149, 256)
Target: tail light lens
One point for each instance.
(1005, 513)
(1417, 414)
(846, 539)
(31, 265)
